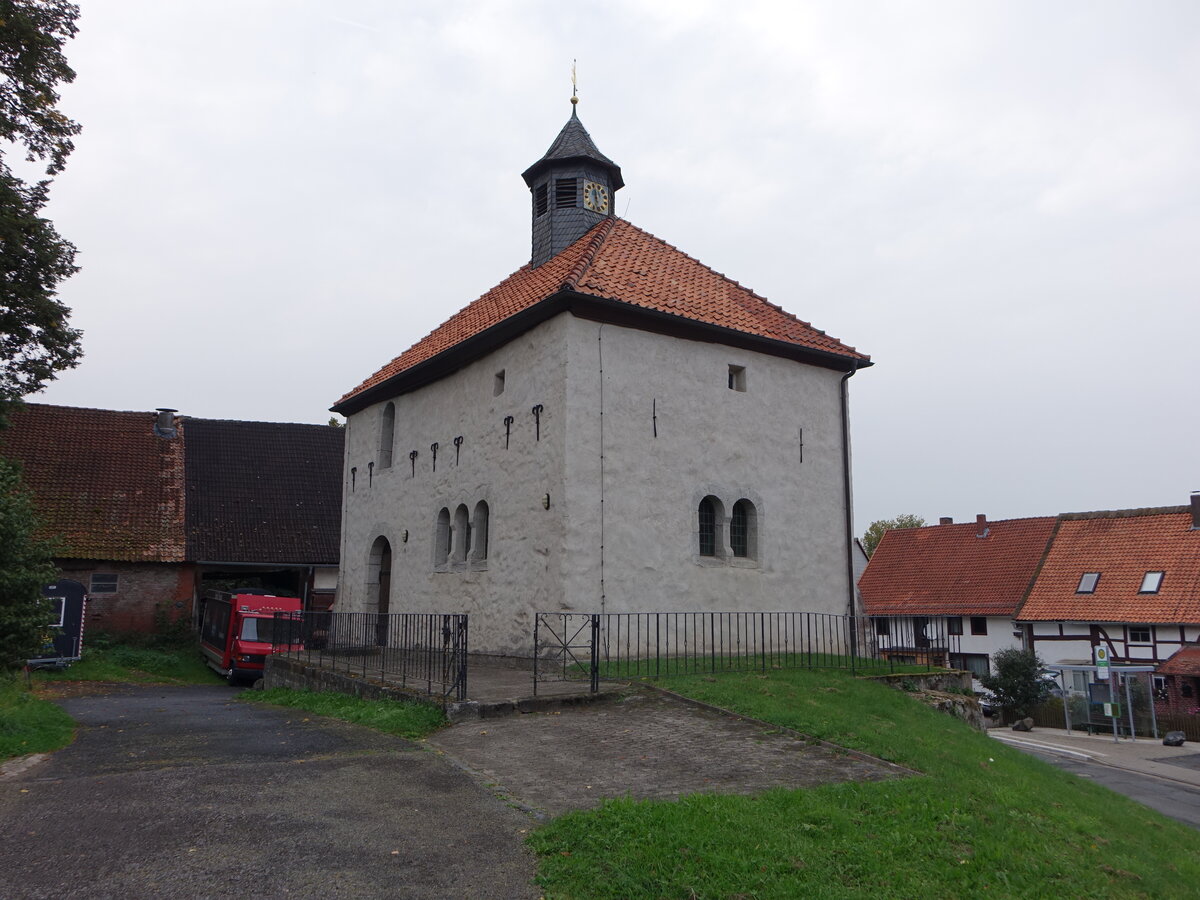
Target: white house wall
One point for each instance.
(525, 539)
(1071, 642)
(642, 508)
(710, 440)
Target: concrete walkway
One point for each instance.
(1143, 755)
(642, 745)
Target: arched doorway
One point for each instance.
(379, 587)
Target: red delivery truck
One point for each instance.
(238, 631)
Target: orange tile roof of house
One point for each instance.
(1122, 545)
(104, 485)
(1184, 661)
(616, 261)
(948, 570)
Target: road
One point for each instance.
(1171, 798)
(183, 792)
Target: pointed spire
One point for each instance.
(573, 143)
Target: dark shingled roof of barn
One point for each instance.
(263, 491)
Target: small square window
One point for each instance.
(1139, 634)
(883, 627)
(103, 584)
(954, 625)
(498, 384)
(737, 378)
(1151, 582)
(978, 624)
(1087, 583)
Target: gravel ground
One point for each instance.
(181, 792)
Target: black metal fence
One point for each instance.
(598, 646)
(427, 651)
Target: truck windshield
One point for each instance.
(266, 630)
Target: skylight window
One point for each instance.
(1151, 582)
(1087, 584)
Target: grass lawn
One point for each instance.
(30, 725)
(406, 719)
(983, 820)
(136, 665)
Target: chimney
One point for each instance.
(945, 520)
(981, 526)
(1195, 510)
(164, 425)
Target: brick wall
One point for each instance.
(141, 588)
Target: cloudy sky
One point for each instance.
(1000, 202)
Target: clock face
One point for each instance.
(595, 197)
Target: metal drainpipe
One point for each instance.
(600, 352)
(849, 511)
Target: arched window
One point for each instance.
(441, 538)
(743, 530)
(710, 519)
(462, 533)
(387, 435)
(479, 532)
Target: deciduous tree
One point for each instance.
(1019, 683)
(25, 565)
(36, 341)
(874, 532)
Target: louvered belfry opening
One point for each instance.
(566, 191)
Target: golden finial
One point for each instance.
(574, 86)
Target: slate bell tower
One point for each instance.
(572, 188)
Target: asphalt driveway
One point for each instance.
(182, 792)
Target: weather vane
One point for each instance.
(574, 85)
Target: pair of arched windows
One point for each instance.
(461, 538)
(721, 536)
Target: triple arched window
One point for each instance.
(724, 536)
(460, 540)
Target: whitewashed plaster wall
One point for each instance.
(711, 440)
(643, 496)
(1166, 639)
(524, 539)
(1000, 636)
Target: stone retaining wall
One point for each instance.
(943, 691)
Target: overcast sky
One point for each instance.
(1000, 202)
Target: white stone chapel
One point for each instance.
(613, 428)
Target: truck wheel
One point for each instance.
(234, 678)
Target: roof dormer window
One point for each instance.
(1087, 583)
(1151, 582)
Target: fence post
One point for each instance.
(595, 674)
(852, 624)
(537, 620)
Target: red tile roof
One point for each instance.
(618, 261)
(1184, 661)
(948, 570)
(104, 484)
(1122, 546)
